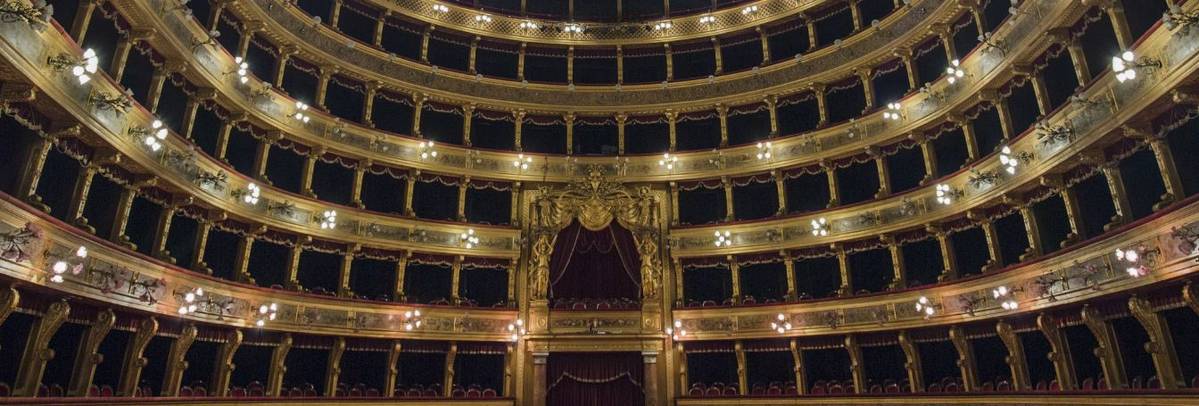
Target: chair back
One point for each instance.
(489, 393)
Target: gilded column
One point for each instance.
(884, 173)
(1190, 295)
(87, 356)
(929, 153)
(249, 29)
(765, 40)
(193, 106)
(368, 104)
(856, 368)
(912, 365)
(120, 219)
(377, 39)
(735, 275)
(899, 276)
(285, 53)
(31, 172)
(539, 378)
(309, 170)
(717, 53)
(1161, 344)
(1031, 230)
(1015, 356)
(772, 106)
(322, 86)
(83, 186)
(866, 76)
(393, 368)
(214, 16)
(411, 189)
(222, 372)
(1039, 89)
(619, 65)
(221, 151)
(424, 43)
(514, 212)
(946, 35)
(462, 186)
(262, 154)
(742, 369)
(678, 282)
(333, 366)
(729, 214)
(401, 268)
(570, 64)
(834, 192)
(1115, 185)
(120, 56)
(1107, 348)
(456, 280)
(1004, 112)
(905, 54)
(669, 62)
(846, 288)
(801, 379)
(621, 119)
(819, 89)
(177, 361)
(447, 385)
(343, 273)
(37, 352)
(512, 270)
(949, 260)
(418, 105)
(278, 367)
(723, 112)
(813, 39)
(134, 361)
(9, 297)
(674, 203)
(569, 119)
(682, 357)
(672, 124)
(203, 226)
(83, 18)
(650, 363)
(158, 79)
(1079, 58)
(468, 112)
(472, 58)
(520, 64)
(1169, 171)
(359, 178)
(241, 261)
(517, 123)
(965, 358)
(994, 253)
(780, 190)
(1059, 351)
(969, 135)
(162, 229)
(856, 12)
(789, 268)
(1073, 208)
(1115, 12)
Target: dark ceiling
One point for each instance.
(600, 10)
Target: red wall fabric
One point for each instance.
(600, 264)
(595, 379)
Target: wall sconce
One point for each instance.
(820, 227)
(441, 8)
(663, 25)
(764, 150)
(426, 150)
(522, 162)
(114, 103)
(82, 68)
(243, 70)
(707, 19)
(1126, 65)
(782, 325)
(1139, 259)
(955, 71)
(749, 10)
(573, 29)
(723, 239)
(668, 161)
(266, 312)
(151, 137)
(1175, 17)
(468, 239)
(947, 194)
(213, 35)
(301, 112)
(412, 320)
(517, 329)
(189, 300)
(676, 331)
(528, 25)
(249, 195)
(1006, 297)
(1010, 161)
(73, 264)
(926, 307)
(328, 219)
(482, 18)
(37, 14)
(894, 112)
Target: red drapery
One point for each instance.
(600, 264)
(595, 379)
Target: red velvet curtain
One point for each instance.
(600, 264)
(595, 379)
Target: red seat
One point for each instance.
(1088, 384)
(1102, 385)
(988, 387)
(457, 392)
(1003, 386)
(106, 391)
(730, 390)
(1054, 385)
(1195, 382)
(1153, 383)
(372, 392)
(934, 387)
(836, 389)
(5, 390)
(712, 391)
(489, 393)
(474, 393)
(774, 390)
